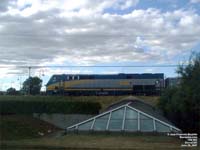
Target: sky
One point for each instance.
(95, 32)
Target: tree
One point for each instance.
(11, 91)
(32, 86)
(182, 104)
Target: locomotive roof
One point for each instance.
(135, 76)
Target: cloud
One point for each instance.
(30, 7)
(67, 32)
(195, 1)
(4, 5)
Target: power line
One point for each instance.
(93, 66)
(96, 35)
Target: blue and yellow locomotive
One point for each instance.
(106, 84)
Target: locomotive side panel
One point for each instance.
(105, 85)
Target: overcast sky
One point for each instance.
(95, 32)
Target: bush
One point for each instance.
(181, 105)
(66, 107)
(12, 91)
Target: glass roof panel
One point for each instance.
(143, 116)
(116, 119)
(161, 127)
(131, 114)
(118, 114)
(85, 126)
(131, 124)
(101, 122)
(146, 123)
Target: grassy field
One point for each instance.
(111, 142)
(105, 101)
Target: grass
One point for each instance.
(14, 127)
(105, 101)
(111, 142)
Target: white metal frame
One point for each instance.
(138, 121)
(154, 125)
(124, 116)
(162, 122)
(97, 116)
(107, 126)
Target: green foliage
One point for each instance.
(182, 104)
(32, 86)
(105, 101)
(11, 91)
(40, 106)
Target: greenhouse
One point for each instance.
(129, 115)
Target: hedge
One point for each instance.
(65, 107)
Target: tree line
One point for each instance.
(31, 86)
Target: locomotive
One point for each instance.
(106, 84)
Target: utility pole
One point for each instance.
(20, 81)
(29, 75)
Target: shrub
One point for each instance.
(181, 105)
(39, 106)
